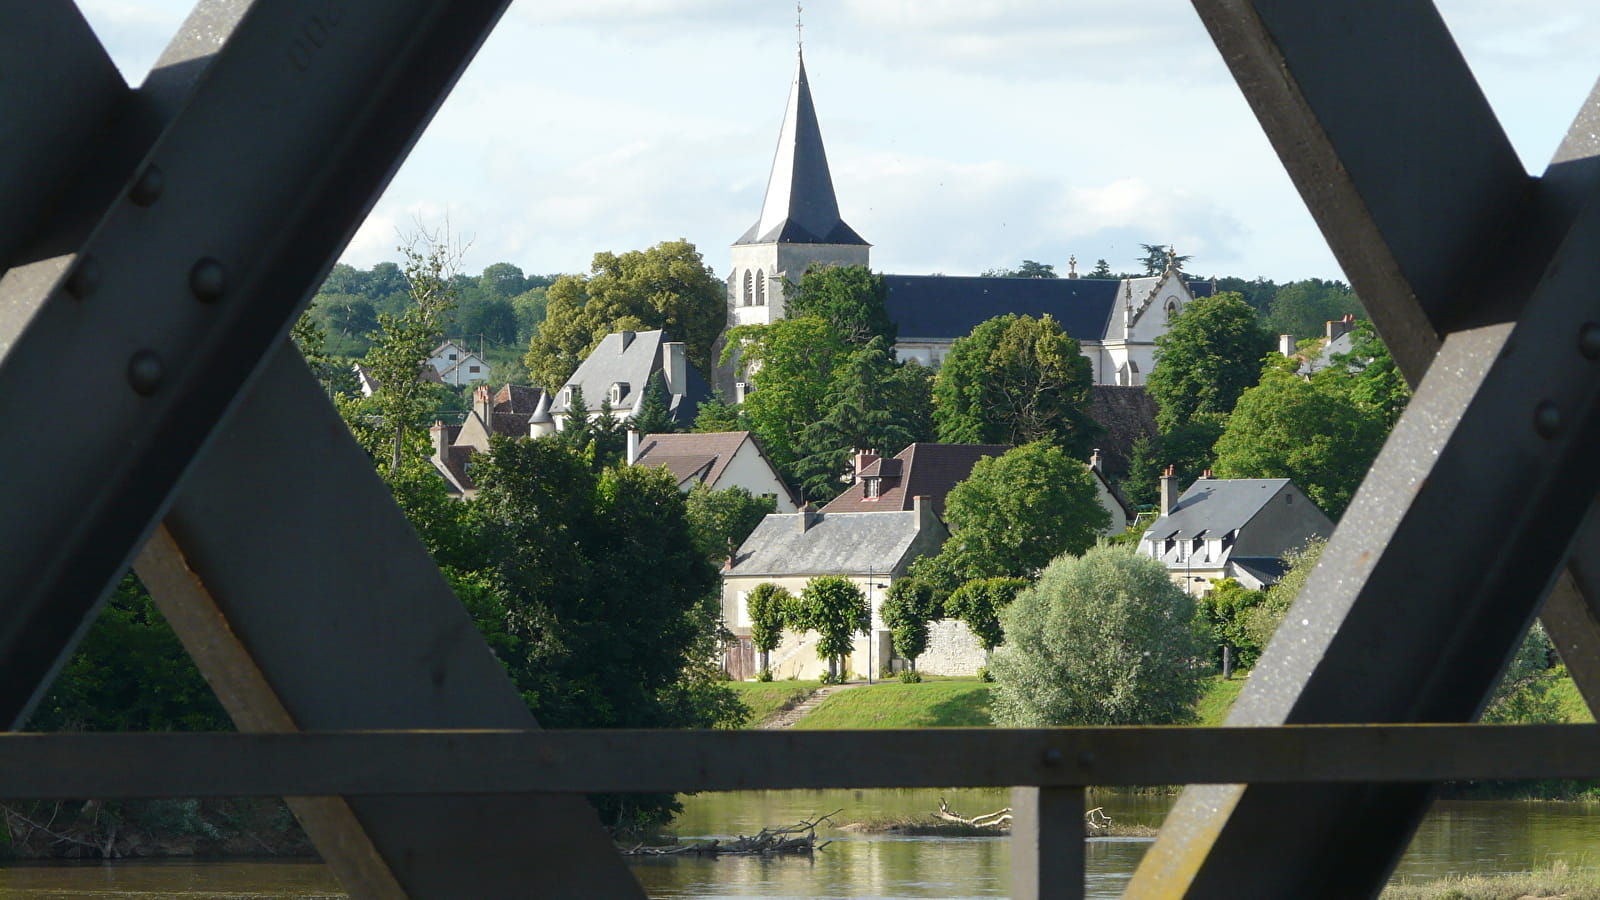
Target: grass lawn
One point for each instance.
(1217, 696)
(891, 704)
(1572, 705)
(767, 698)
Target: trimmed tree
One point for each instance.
(1013, 380)
(908, 607)
(837, 611)
(1101, 639)
(978, 603)
(768, 605)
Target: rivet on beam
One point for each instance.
(1051, 758)
(147, 189)
(85, 278)
(1547, 420)
(207, 280)
(1589, 340)
(145, 372)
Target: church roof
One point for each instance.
(800, 207)
(946, 307)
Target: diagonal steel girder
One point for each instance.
(157, 244)
(1479, 276)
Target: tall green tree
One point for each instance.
(1225, 611)
(1028, 269)
(792, 365)
(1368, 374)
(1156, 257)
(1211, 353)
(837, 611)
(653, 416)
(1102, 269)
(863, 412)
(1014, 514)
(1187, 449)
(667, 286)
(717, 415)
(721, 520)
(1308, 431)
(907, 609)
(850, 298)
(403, 343)
(1303, 308)
(1101, 639)
(1013, 380)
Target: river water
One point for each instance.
(1458, 837)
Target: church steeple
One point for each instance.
(800, 206)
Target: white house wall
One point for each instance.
(750, 471)
(796, 656)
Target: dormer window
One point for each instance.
(566, 397)
(874, 487)
(619, 390)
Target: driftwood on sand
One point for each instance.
(797, 839)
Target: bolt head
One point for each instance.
(1547, 419)
(1052, 757)
(145, 372)
(148, 186)
(1589, 340)
(85, 278)
(207, 280)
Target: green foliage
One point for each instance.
(1028, 269)
(1524, 695)
(721, 520)
(864, 410)
(653, 416)
(1211, 353)
(792, 364)
(1156, 257)
(1309, 431)
(1014, 380)
(836, 610)
(907, 609)
(769, 606)
(666, 287)
(978, 603)
(1015, 513)
(1261, 621)
(935, 704)
(130, 673)
(1224, 611)
(1369, 375)
(1258, 292)
(850, 298)
(1102, 269)
(403, 343)
(716, 415)
(1303, 308)
(1187, 448)
(1102, 639)
(910, 676)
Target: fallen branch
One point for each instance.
(797, 839)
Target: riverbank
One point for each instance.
(150, 829)
(1557, 883)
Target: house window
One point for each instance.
(566, 397)
(618, 391)
(874, 488)
(452, 357)
(761, 289)
(472, 369)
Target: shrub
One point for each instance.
(1102, 639)
(910, 676)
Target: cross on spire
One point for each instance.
(799, 29)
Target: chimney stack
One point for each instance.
(483, 406)
(808, 516)
(1094, 459)
(864, 459)
(923, 507)
(1338, 328)
(626, 338)
(1169, 490)
(674, 368)
(1286, 344)
(441, 439)
(633, 446)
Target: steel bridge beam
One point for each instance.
(1464, 522)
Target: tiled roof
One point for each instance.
(837, 543)
(1127, 413)
(702, 457)
(517, 398)
(927, 470)
(453, 466)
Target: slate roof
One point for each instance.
(800, 205)
(1127, 413)
(1344, 343)
(632, 363)
(927, 470)
(701, 457)
(1215, 506)
(1265, 569)
(837, 543)
(946, 307)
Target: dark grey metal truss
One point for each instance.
(157, 243)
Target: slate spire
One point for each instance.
(800, 207)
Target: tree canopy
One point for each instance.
(868, 406)
(1014, 514)
(1211, 353)
(666, 287)
(1302, 308)
(1014, 380)
(1101, 639)
(1308, 431)
(837, 611)
(850, 298)
(792, 365)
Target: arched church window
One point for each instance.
(761, 289)
(749, 287)
(1172, 308)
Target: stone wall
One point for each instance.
(952, 650)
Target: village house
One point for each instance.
(871, 549)
(718, 460)
(619, 370)
(457, 365)
(508, 412)
(1238, 528)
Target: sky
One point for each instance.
(963, 135)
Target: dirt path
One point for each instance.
(788, 717)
